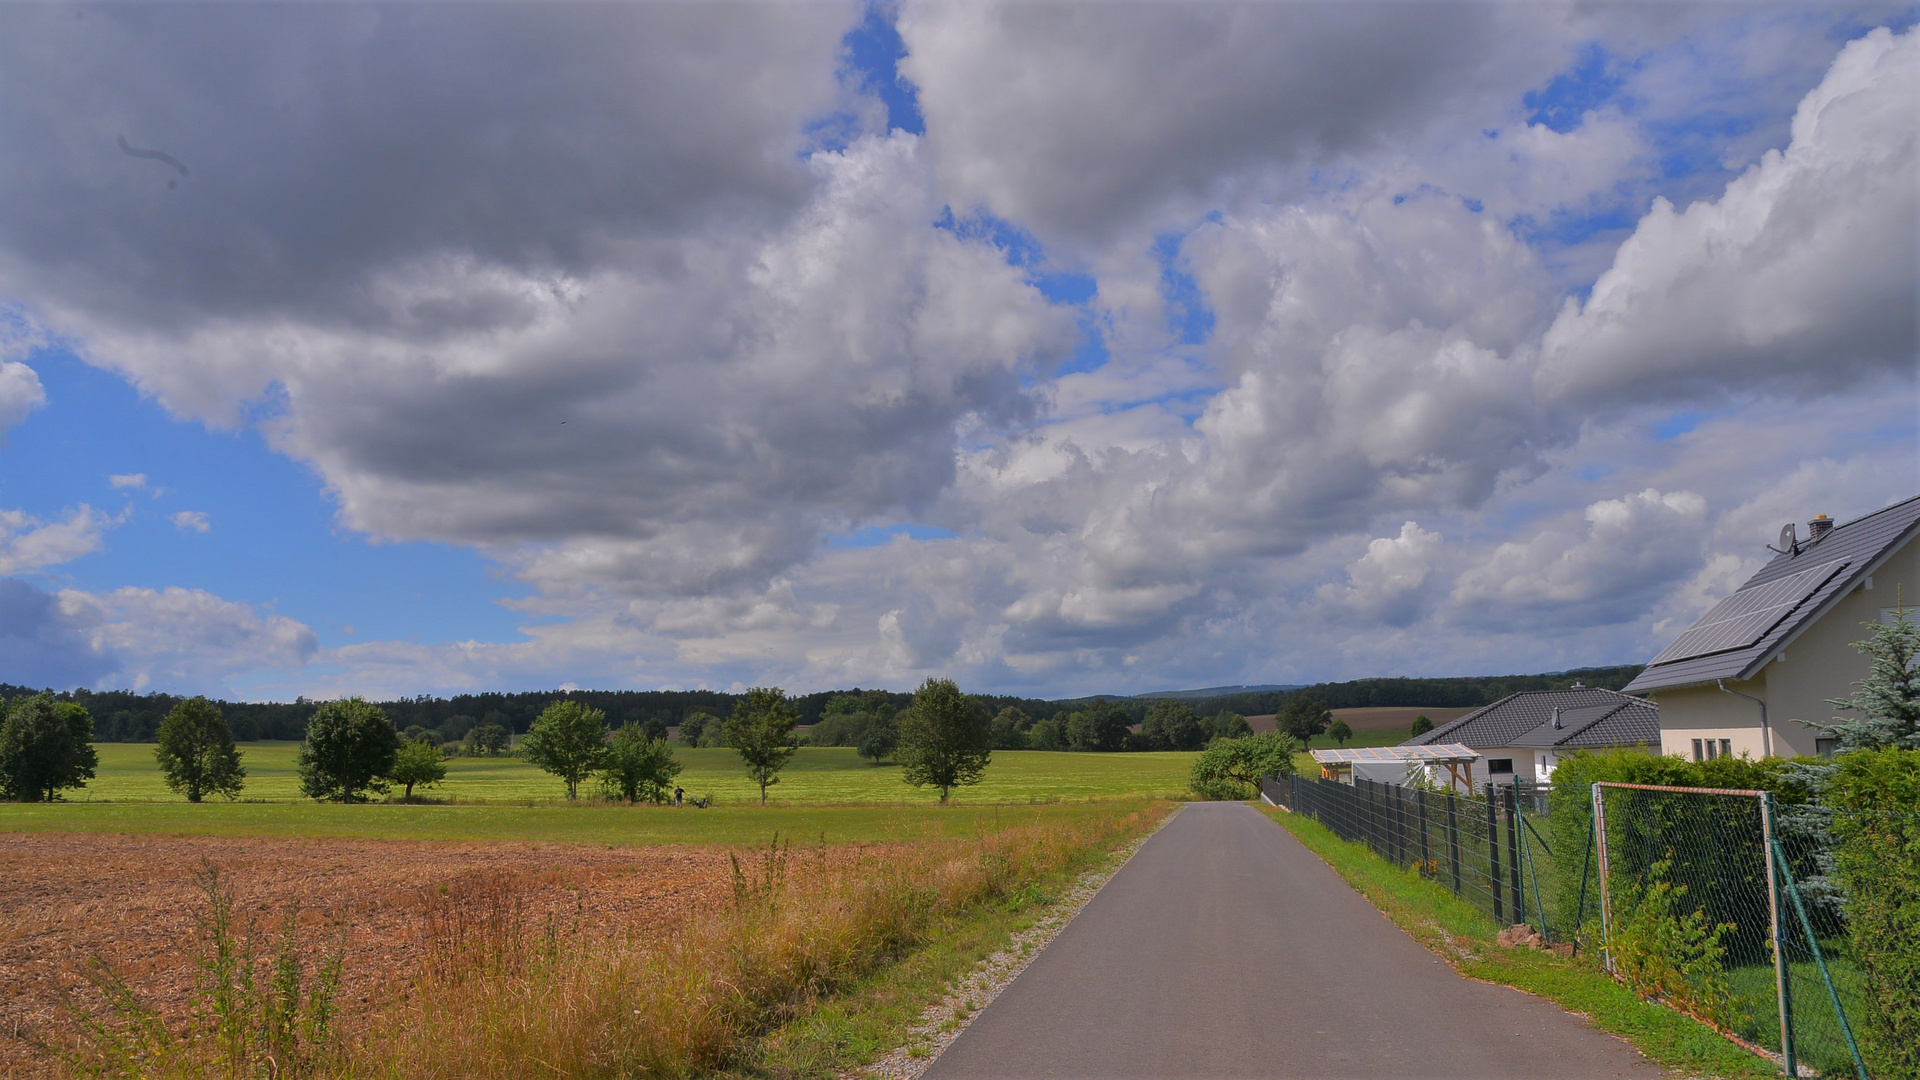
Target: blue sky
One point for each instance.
(1041, 315)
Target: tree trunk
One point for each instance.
(763, 793)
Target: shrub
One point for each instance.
(568, 740)
(1664, 951)
(196, 752)
(350, 749)
(943, 738)
(1233, 768)
(638, 766)
(1875, 797)
(45, 745)
(1421, 725)
(418, 762)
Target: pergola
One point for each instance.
(1338, 764)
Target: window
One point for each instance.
(1825, 747)
(1698, 754)
(1500, 764)
(1726, 747)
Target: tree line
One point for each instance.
(124, 716)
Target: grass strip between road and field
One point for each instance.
(1465, 937)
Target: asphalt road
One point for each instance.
(1226, 949)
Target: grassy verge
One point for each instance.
(1463, 935)
(817, 964)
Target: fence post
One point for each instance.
(1606, 894)
(1493, 855)
(1426, 852)
(1783, 986)
(1813, 943)
(1519, 892)
(1453, 839)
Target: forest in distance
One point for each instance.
(124, 716)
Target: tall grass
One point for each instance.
(497, 997)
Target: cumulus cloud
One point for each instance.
(180, 638)
(1800, 277)
(1387, 583)
(1630, 552)
(30, 543)
(135, 481)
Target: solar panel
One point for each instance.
(1747, 616)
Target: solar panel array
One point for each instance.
(1747, 616)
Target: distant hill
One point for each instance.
(1218, 691)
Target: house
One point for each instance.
(1774, 651)
(1525, 735)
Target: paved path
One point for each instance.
(1226, 949)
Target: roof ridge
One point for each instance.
(1838, 525)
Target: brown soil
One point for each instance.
(135, 903)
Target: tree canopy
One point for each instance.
(418, 762)
(639, 767)
(761, 732)
(1172, 725)
(1303, 717)
(1232, 768)
(45, 746)
(196, 752)
(943, 738)
(349, 749)
(568, 740)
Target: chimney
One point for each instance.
(1820, 526)
(1556, 718)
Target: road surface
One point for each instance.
(1226, 949)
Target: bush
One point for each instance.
(568, 740)
(1421, 725)
(1232, 768)
(45, 746)
(418, 762)
(349, 750)
(1875, 796)
(196, 752)
(639, 767)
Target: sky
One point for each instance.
(1053, 348)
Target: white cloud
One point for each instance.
(20, 394)
(191, 521)
(30, 543)
(135, 481)
(1801, 277)
(177, 638)
(1388, 582)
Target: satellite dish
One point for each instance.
(1789, 543)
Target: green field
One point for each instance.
(587, 823)
(817, 776)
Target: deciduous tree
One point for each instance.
(1421, 725)
(1232, 768)
(489, 739)
(418, 762)
(196, 752)
(639, 767)
(1100, 726)
(568, 740)
(761, 732)
(1339, 732)
(1172, 725)
(1303, 717)
(349, 749)
(45, 746)
(943, 738)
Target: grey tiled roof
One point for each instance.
(1589, 717)
(1862, 544)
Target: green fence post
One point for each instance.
(1493, 856)
(1519, 891)
(1819, 960)
(1453, 838)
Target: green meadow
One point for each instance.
(817, 776)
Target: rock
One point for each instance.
(1521, 935)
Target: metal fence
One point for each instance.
(1700, 905)
(1691, 896)
(1486, 847)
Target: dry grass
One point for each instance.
(498, 992)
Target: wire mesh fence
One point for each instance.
(1686, 894)
(1700, 906)
(1488, 847)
